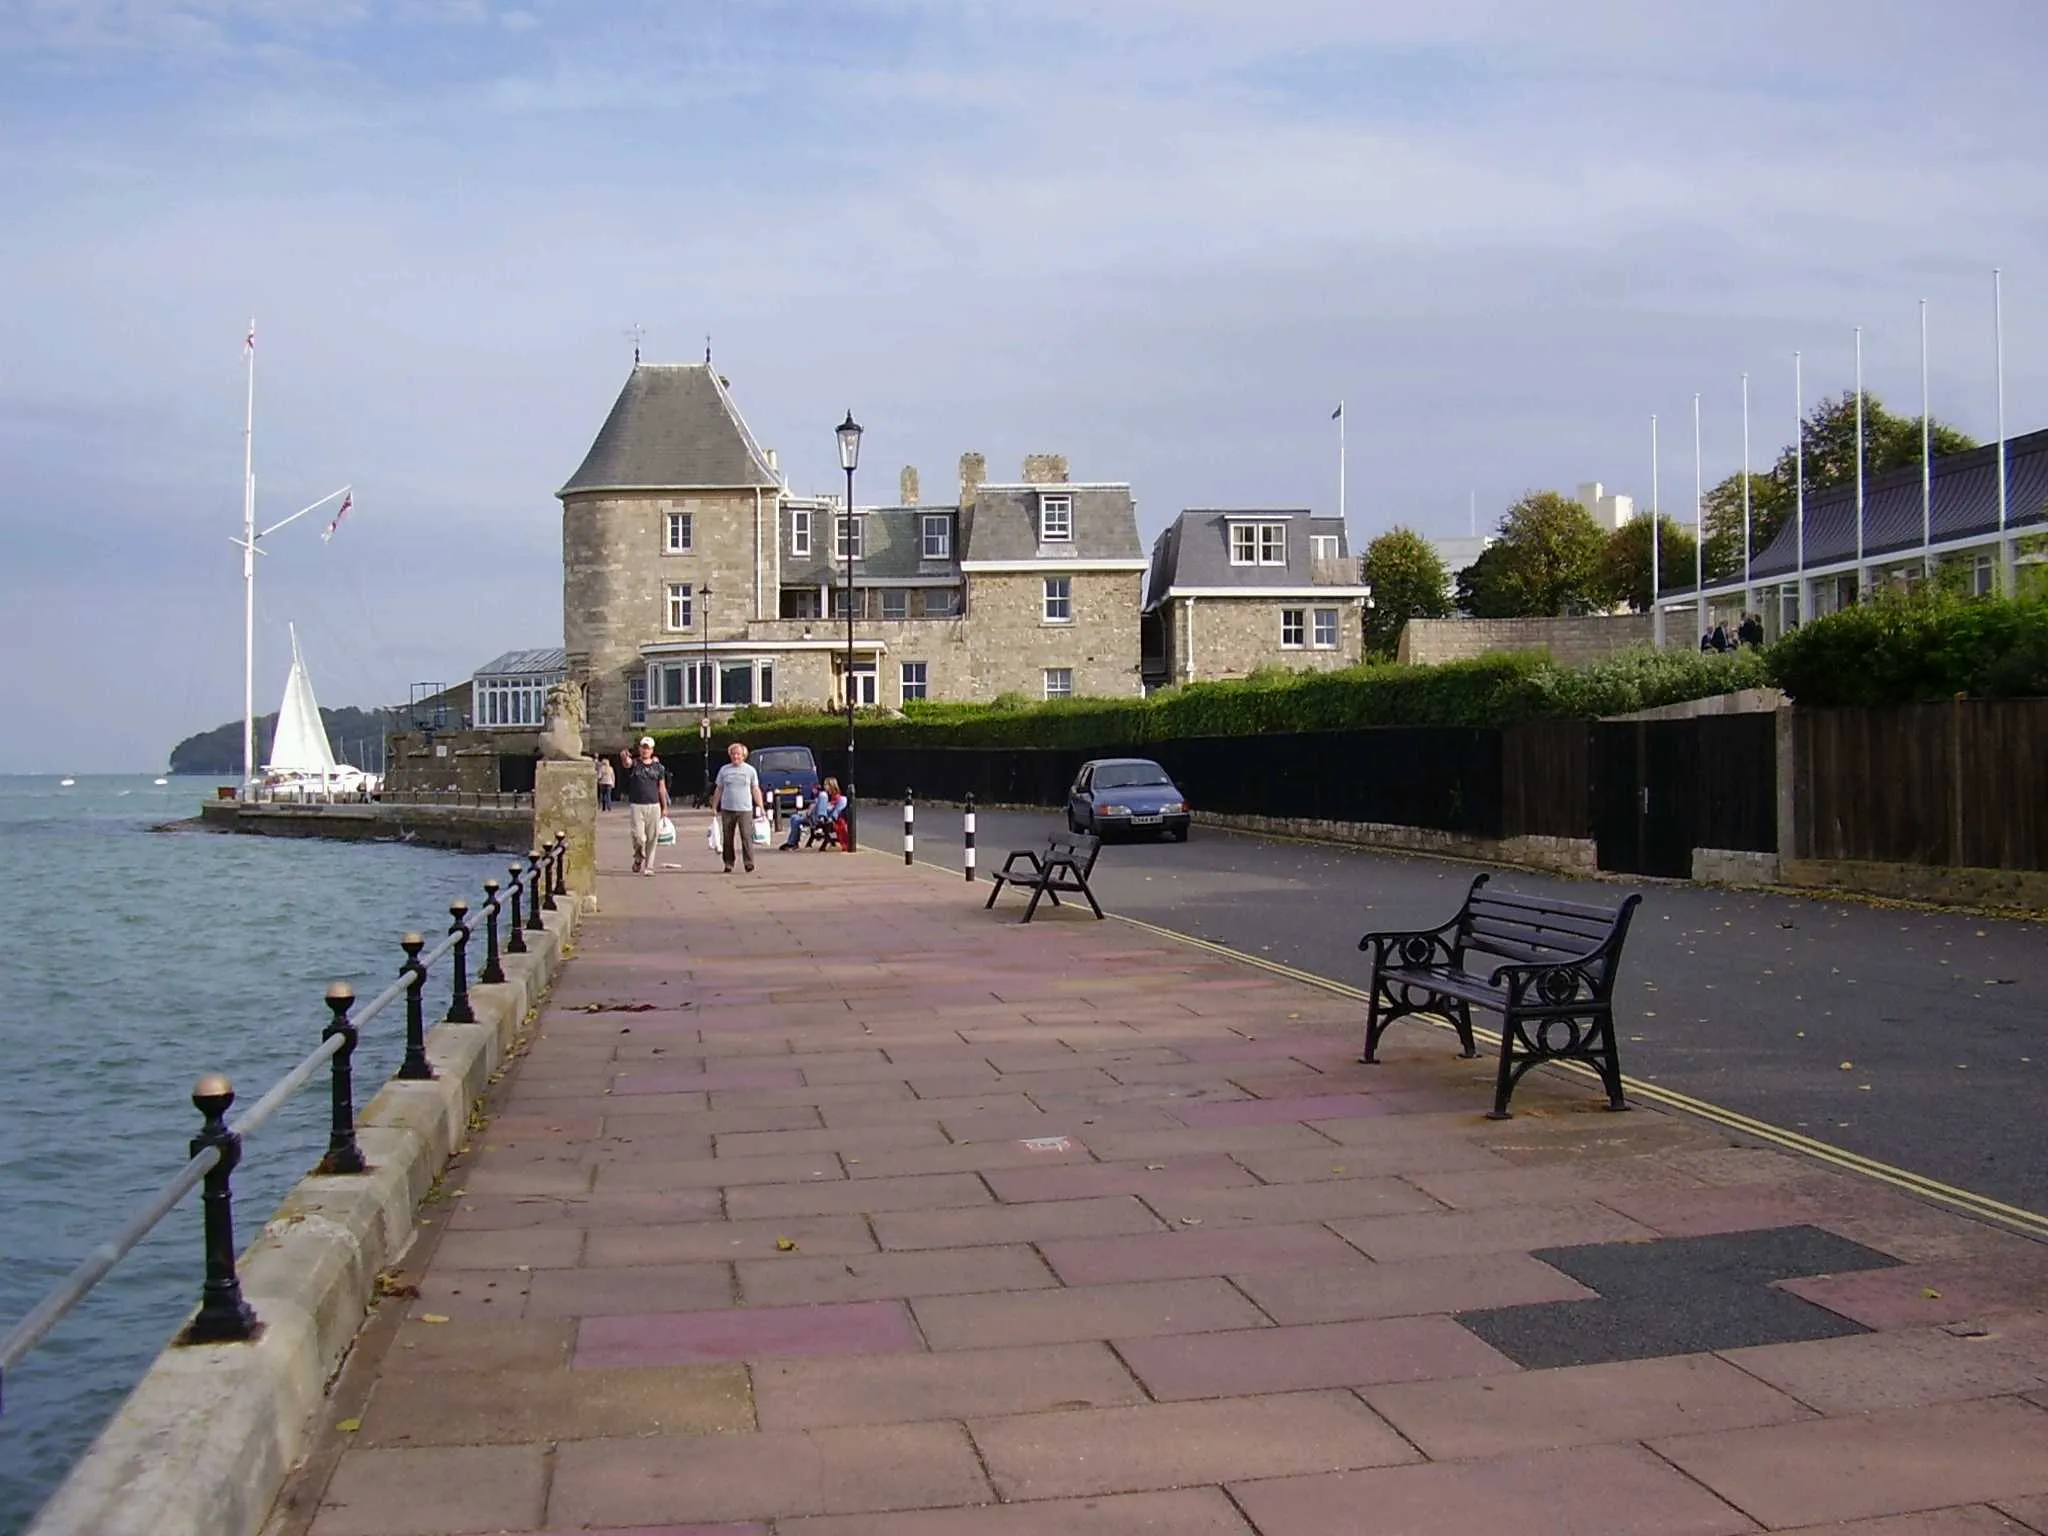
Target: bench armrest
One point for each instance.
(1026, 854)
(1418, 946)
(1567, 979)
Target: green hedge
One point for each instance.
(1491, 691)
(1913, 649)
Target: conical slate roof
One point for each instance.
(673, 428)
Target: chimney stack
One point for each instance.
(1045, 469)
(973, 470)
(906, 486)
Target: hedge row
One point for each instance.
(1491, 691)
(1915, 649)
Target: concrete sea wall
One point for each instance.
(467, 828)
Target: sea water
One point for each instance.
(136, 953)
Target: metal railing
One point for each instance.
(224, 1316)
(488, 800)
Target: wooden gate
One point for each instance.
(1662, 788)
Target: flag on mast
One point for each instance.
(347, 501)
(1338, 414)
(249, 341)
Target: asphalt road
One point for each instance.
(1916, 1038)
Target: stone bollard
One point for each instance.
(565, 801)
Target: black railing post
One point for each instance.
(533, 893)
(459, 1011)
(343, 1153)
(415, 1067)
(909, 828)
(547, 875)
(561, 863)
(515, 944)
(968, 832)
(224, 1317)
(493, 971)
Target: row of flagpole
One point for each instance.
(1799, 460)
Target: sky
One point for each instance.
(1162, 237)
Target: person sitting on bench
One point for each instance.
(826, 808)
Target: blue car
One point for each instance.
(1126, 794)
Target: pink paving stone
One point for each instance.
(1506, 1230)
(1188, 1254)
(433, 1491)
(1330, 1106)
(1965, 1520)
(744, 1333)
(633, 1084)
(719, 1241)
(1407, 1289)
(501, 1212)
(1184, 1512)
(627, 1290)
(1608, 1490)
(1265, 1204)
(913, 1192)
(1898, 1298)
(1078, 1313)
(1086, 1180)
(1110, 1215)
(1905, 1368)
(1262, 1049)
(862, 1277)
(1302, 1359)
(666, 1530)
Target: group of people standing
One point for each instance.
(1750, 632)
(643, 780)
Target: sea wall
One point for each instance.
(466, 828)
(205, 1441)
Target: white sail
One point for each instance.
(299, 746)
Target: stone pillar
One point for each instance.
(565, 800)
(906, 486)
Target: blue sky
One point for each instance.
(1161, 236)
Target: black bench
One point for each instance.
(1064, 864)
(1555, 993)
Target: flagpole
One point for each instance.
(1748, 585)
(1926, 463)
(1340, 461)
(1799, 503)
(249, 571)
(1699, 522)
(1656, 532)
(2005, 581)
(1859, 463)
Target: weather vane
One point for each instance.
(634, 335)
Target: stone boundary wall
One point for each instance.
(1570, 642)
(2024, 890)
(1559, 855)
(203, 1444)
(464, 828)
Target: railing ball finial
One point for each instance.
(212, 1095)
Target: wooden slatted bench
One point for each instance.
(1554, 993)
(1063, 865)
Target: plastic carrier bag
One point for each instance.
(711, 836)
(764, 831)
(665, 832)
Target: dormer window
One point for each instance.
(1258, 543)
(1324, 546)
(850, 531)
(1055, 519)
(800, 531)
(938, 536)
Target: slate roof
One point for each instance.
(535, 663)
(1003, 524)
(673, 428)
(1195, 552)
(892, 549)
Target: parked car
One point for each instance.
(1127, 794)
(789, 777)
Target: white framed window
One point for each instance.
(914, 686)
(1325, 632)
(854, 528)
(865, 684)
(679, 536)
(1984, 578)
(895, 603)
(938, 537)
(1059, 682)
(727, 683)
(1272, 543)
(1258, 543)
(636, 701)
(1055, 519)
(677, 684)
(800, 530)
(1059, 599)
(941, 602)
(856, 597)
(681, 612)
(1324, 546)
(1292, 628)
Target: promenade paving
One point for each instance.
(825, 1203)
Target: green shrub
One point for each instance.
(1911, 648)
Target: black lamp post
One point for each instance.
(849, 456)
(704, 684)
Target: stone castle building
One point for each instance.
(694, 582)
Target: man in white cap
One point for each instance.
(645, 785)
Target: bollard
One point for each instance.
(516, 944)
(414, 1068)
(459, 1011)
(968, 864)
(224, 1317)
(547, 875)
(561, 863)
(533, 893)
(909, 828)
(493, 971)
(343, 1154)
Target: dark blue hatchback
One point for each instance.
(1127, 794)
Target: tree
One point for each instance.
(1408, 581)
(1548, 557)
(1480, 594)
(1625, 561)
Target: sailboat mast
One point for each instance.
(249, 571)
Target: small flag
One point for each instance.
(1336, 415)
(249, 341)
(346, 502)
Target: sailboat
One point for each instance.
(301, 765)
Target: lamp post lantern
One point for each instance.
(849, 458)
(704, 684)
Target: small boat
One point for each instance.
(66, 783)
(159, 783)
(302, 765)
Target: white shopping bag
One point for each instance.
(665, 833)
(764, 831)
(711, 836)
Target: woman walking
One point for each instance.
(607, 782)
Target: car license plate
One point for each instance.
(1144, 821)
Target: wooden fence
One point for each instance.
(1962, 783)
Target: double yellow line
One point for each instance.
(1983, 1207)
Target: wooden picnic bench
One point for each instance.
(1063, 865)
(1554, 993)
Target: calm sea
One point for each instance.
(136, 959)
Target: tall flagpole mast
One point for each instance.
(1748, 587)
(1926, 462)
(1340, 461)
(1699, 522)
(1799, 503)
(1859, 463)
(1656, 532)
(249, 570)
(2005, 582)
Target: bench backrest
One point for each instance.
(1525, 930)
(1081, 847)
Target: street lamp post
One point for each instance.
(849, 457)
(704, 684)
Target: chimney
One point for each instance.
(1045, 469)
(973, 470)
(774, 466)
(906, 486)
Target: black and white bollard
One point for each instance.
(968, 865)
(909, 829)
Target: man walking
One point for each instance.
(737, 796)
(645, 782)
